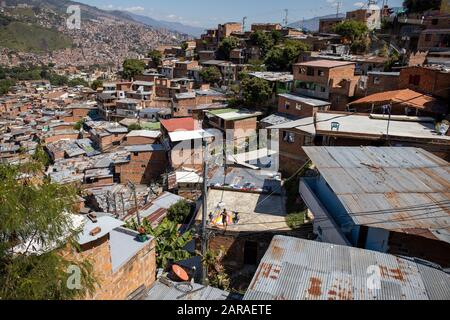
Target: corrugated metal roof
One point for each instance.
(297, 269)
(394, 188)
(180, 291)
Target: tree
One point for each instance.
(169, 242)
(58, 80)
(262, 40)
(5, 85)
(351, 30)
(41, 156)
(281, 58)
(156, 57)
(184, 46)
(79, 124)
(134, 126)
(132, 67)
(179, 211)
(225, 47)
(276, 36)
(211, 75)
(384, 51)
(37, 216)
(255, 91)
(78, 82)
(420, 6)
(96, 84)
(217, 277)
(256, 65)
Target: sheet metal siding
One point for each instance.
(297, 269)
(391, 188)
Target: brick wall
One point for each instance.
(431, 81)
(143, 167)
(138, 271)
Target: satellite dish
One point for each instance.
(180, 272)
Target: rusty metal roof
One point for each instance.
(394, 188)
(297, 269)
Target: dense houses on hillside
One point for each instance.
(311, 167)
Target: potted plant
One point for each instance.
(142, 234)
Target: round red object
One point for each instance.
(180, 272)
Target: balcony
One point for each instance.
(323, 224)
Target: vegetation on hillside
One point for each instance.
(37, 215)
(24, 37)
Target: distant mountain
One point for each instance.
(173, 26)
(312, 24)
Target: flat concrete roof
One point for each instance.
(257, 212)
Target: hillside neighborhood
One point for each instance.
(255, 162)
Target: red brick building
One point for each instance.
(426, 80)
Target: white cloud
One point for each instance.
(359, 4)
(135, 9)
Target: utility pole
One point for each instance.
(286, 21)
(388, 124)
(338, 8)
(204, 209)
(133, 188)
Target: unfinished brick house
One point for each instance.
(334, 81)
(146, 163)
(123, 266)
(140, 137)
(183, 137)
(428, 80)
(300, 106)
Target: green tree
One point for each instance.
(211, 75)
(276, 36)
(41, 156)
(5, 85)
(96, 84)
(184, 46)
(179, 211)
(132, 67)
(225, 47)
(78, 82)
(262, 40)
(79, 124)
(351, 30)
(37, 216)
(156, 56)
(256, 65)
(255, 91)
(134, 127)
(217, 276)
(281, 58)
(169, 242)
(58, 80)
(384, 51)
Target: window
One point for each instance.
(288, 137)
(298, 106)
(287, 105)
(143, 166)
(310, 71)
(136, 154)
(323, 89)
(307, 141)
(321, 73)
(376, 80)
(428, 37)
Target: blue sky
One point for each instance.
(207, 13)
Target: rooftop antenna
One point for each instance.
(286, 21)
(243, 23)
(338, 8)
